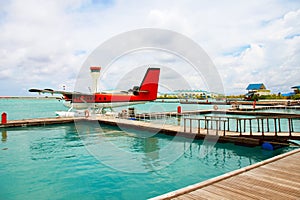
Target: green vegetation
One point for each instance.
(295, 97)
(241, 96)
(274, 96)
(271, 96)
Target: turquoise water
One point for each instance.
(30, 108)
(53, 162)
(39, 108)
(59, 162)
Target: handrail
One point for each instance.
(263, 124)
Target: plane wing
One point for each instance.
(53, 91)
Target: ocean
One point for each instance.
(107, 162)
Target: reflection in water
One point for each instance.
(150, 152)
(49, 146)
(224, 154)
(4, 136)
(150, 148)
(115, 148)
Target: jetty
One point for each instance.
(240, 131)
(36, 122)
(274, 178)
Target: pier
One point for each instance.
(36, 122)
(275, 178)
(208, 127)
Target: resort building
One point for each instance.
(296, 89)
(188, 94)
(258, 89)
(193, 94)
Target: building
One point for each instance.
(258, 89)
(193, 94)
(296, 89)
(187, 94)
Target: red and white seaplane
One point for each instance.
(97, 102)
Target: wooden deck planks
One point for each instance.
(241, 191)
(228, 194)
(36, 122)
(275, 178)
(279, 173)
(266, 186)
(204, 194)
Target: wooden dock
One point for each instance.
(275, 178)
(255, 139)
(36, 122)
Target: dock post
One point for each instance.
(244, 125)
(258, 126)
(268, 129)
(205, 126)
(227, 124)
(198, 126)
(191, 125)
(206, 123)
(224, 125)
(217, 126)
(262, 126)
(250, 123)
(3, 118)
(292, 125)
(275, 126)
(240, 124)
(279, 126)
(289, 124)
(184, 124)
(237, 125)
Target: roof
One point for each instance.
(296, 87)
(256, 86)
(288, 94)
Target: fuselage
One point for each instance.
(147, 91)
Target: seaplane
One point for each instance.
(83, 104)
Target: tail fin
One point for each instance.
(149, 85)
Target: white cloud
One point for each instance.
(44, 43)
(272, 58)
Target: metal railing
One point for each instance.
(262, 125)
(215, 123)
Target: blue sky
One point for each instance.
(43, 44)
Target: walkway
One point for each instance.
(275, 178)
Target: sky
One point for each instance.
(43, 44)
